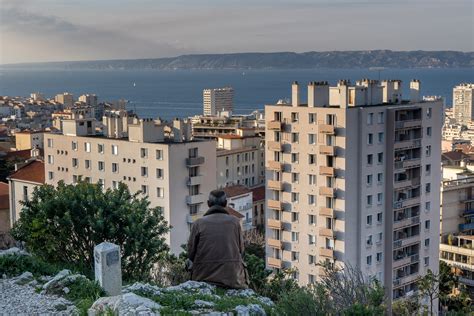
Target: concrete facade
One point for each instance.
(352, 177)
(217, 100)
(28, 140)
(463, 101)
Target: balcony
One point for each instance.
(408, 124)
(326, 171)
(410, 163)
(196, 161)
(405, 261)
(274, 262)
(326, 191)
(406, 203)
(191, 218)
(274, 223)
(326, 211)
(326, 129)
(195, 199)
(275, 243)
(275, 185)
(274, 204)
(406, 222)
(407, 144)
(326, 150)
(406, 279)
(275, 165)
(325, 252)
(466, 226)
(406, 241)
(274, 125)
(275, 146)
(406, 183)
(326, 232)
(195, 180)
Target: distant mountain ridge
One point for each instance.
(280, 60)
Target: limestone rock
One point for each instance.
(251, 309)
(24, 278)
(203, 304)
(13, 251)
(126, 304)
(63, 279)
(142, 288)
(241, 293)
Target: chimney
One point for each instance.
(343, 93)
(415, 91)
(318, 94)
(295, 97)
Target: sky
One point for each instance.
(66, 30)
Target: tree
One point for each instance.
(429, 286)
(258, 274)
(63, 224)
(254, 243)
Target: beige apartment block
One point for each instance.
(28, 140)
(463, 101)
(240, 159)
(217, 100)
(352, 177)
(158, 159)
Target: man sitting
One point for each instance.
(216, 246)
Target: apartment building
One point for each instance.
(240, 199)
(353, 177)
(240, 159)
(217, 100)
(463, 101)
(65, 98)
(159, 159)
(457, 226)
(28, 140)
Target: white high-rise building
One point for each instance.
(66, 99)
(218, 100)
(353, 177)
(89, 99)
(463, 101)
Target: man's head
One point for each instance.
(217, 198)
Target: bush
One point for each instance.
(14, 265)
(63, 224)
(258, 274)
(311, 300)
(83, 293)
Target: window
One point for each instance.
(295, 137)
(74, 145)
(380, 118)
(311, 259)
(143, 152)
(144, 189)
(160, 192)
(194, 209)
(428, 187)
(379, 177)
(100, 148)
(295, 177)
(369, 240)
(75, 163)
(428, 169)
(379, 217)
(277, 116)
(379, 257)
(114, 150)
(331, 119)
(380, 158)
(311, 199)
(312, 118)
(295, 256)
(87, 164)
(379, 198)
(370, 139)
(370, 159)
(370, 118)
(427, 242)
(295, 217)
(294, 157)
(50, 142)
(114, 184)
(311, 239)
(295, 197)
(427, 224)
(226, 161)
(101, 166)
(312, 179)
(193, 152)
(115, 167)
(428, 151)
(380, 237)
(87, 147)
(311, 159)
(159, 154)
(369, 200)
(369, 220)
(311, 279)
(429, 112)
(428, 131)
(369, 179)
(159, 173)
(312, 219)
(144, 171)
(427, 206)
(312, 139)
(369, 260)
(426, 261)
(380, 138)
(294, 116)
(295, 236)
(50, 159)
(50, 175)
(101, 183)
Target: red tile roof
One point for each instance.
(32, 172)
(19, 154)
(236, 190)
(4, 196)
(258, 193)
(234, 212)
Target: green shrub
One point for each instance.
(14, 265)
(83, 293)
(63, 224)
(303, 301)
(258, 274)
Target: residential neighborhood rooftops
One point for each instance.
(236, 190)
(31, 172)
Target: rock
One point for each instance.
(266, 301)
(66, 290)
(125, 304)
(241, 293)
(13, 251)
(142, 288)
(194, 287)
(63, 279)
(24, 278)
(203, 304)
(251, 309)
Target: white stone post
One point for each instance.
(108, 270)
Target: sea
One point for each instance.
(178, 93)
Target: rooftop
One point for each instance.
(258, 193)
(236, 190)
(234, 212)
(31, 172)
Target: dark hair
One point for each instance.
(217, 197)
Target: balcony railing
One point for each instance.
(275, 185)
(275, 243)
(274, 125)
(326, 171)
(275, 146)
(196, 161)
(195, 199)
(466, 226)
(274, 223)
(274, 204)
(326, 191)
(326, 211)
(326, 150)
(274, 262)
(407, 144)
(325, 252)
(326, 129)
(406, 183)
(275, 165)
(406, 260)
(195, 180)
(406, 222)
(326, 232)
(410, 163)
(400, 243)
(406, 203)
(408, 124)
